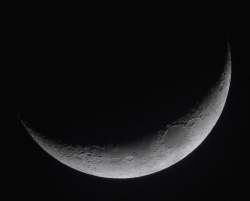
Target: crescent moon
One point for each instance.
(152, 153)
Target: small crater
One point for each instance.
(129, 158)
(78, 157)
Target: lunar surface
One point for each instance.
(154, 152)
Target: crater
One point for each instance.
(175, 137)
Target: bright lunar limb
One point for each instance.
(152, 153)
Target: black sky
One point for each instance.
(114, 83)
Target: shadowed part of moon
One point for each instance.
(152, 153)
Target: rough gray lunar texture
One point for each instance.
(152, 153)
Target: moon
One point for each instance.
(152, 153)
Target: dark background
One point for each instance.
(112, 81)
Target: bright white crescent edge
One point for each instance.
(154, 152)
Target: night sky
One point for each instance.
(119, 82)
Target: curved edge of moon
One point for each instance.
(153, 153)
